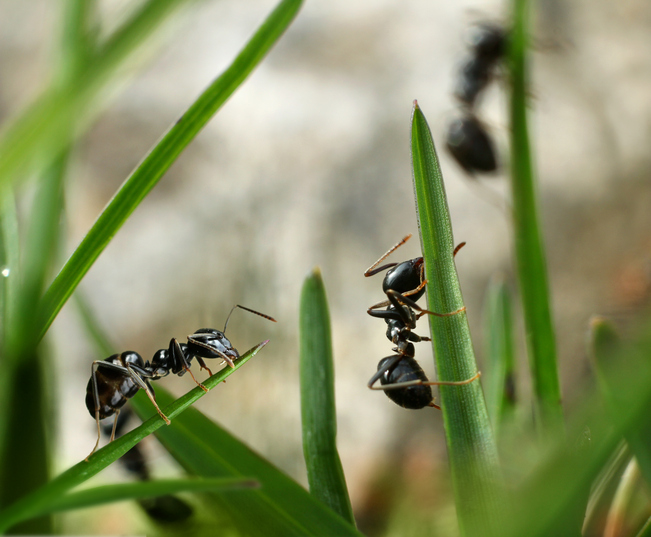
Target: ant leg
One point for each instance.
(115, 424)
(370, 271)
(458, 247)
(407, 384)
(176, 351)
(137, 377)
(203, 365)
(398, 300)
(268, 317)
(390, 363)
(93, 377)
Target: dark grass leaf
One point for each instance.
(38, 501)
(472, 451)
(280, 508)
(319, 418)
(153, 167)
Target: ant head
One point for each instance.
(211, 343)
(405, 277)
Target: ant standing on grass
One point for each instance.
(119, 377)
(400, 375)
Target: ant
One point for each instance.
(469, 143)
(402, 378)
(467, 139)
(162, 509)
(119, 377)
(488, 44)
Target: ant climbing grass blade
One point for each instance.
(38, 501)
(319, 420)
(471, 446)
(159, 160)
(279, 507)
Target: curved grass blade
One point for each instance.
(38, 501)
(95, 496)
(472, 451)
(499, 378)
(280, 508)
(49, 125)
(529, 248)
(324, 471)
(148, 173)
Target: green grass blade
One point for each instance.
(280, 508)
(324, 471)
(557, 488)
(604, 344)
(38, 501)
(150, 489)
(471, 447)
(49, 125)
(499, 379)
(646, 529)
(621, 502)
(529, 248)
(148, 173)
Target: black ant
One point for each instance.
(467, 139)
(119, 377)
(162, 509)
(402, 378)
(469, 143)
(488, 44)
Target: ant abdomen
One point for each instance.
(406, 369)
(114, 388)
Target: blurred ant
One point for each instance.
(402, 378)
(469, 143)
(119, 377)
(488, 45)
(467, 139)
(164, 509)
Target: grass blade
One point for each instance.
(324, 471)
(280, 508)
(499, 378)
(40, 500)
(150, 489)
(49, 125)
(604, 346)
(153, 167)
(471, 447)
(529, 248)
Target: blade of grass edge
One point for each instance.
(25, 507)
(319, 417)
(529, 248)
(104, 494)
(499, 379)
(472, 452)
(148, 173)
(280, 508)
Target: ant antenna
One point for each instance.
(370, 272)
(249, 310)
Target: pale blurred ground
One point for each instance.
(309, 164)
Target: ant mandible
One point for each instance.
(119, 377)
(401, 377)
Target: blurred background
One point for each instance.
(308, 165)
